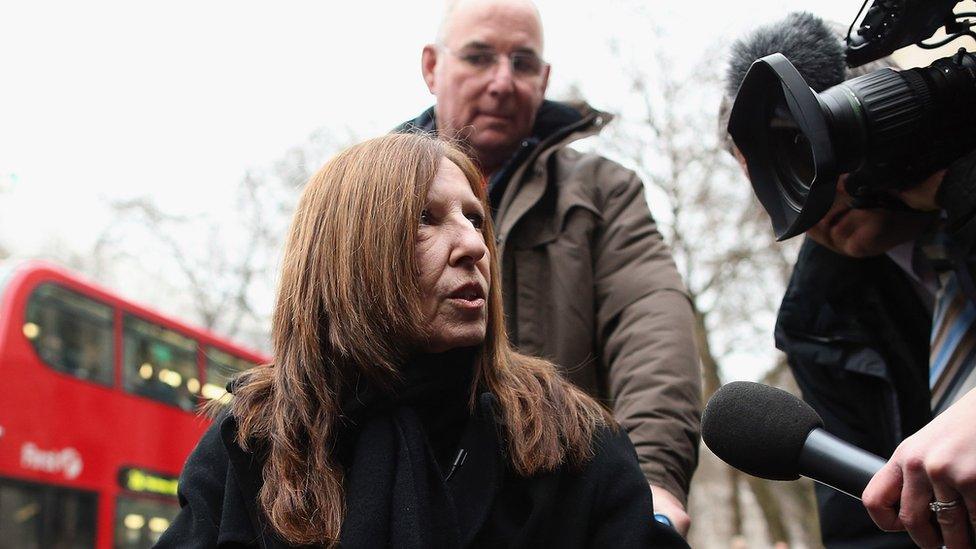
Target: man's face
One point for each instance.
(865, 232)
(858, 232)
(492, 105)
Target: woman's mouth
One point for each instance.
(472, 304)
(468, 296)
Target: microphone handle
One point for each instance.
(836, 463)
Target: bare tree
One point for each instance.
(735, 272)
(218, 269)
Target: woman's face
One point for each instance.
(453, 262)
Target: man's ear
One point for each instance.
(545, 78)
(428, 62)
(741, 159)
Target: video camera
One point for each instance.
(888, 129)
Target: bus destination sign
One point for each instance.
(149, 482)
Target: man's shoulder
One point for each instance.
(824, 275)
(574, 158)
(828, 291)
(425, 123)
(592, 170)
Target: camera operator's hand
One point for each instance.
(950, 189)
(938, 463)
(669, 506)
(923, 196)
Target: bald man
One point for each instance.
(588, 281)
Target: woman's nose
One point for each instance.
(469, 244)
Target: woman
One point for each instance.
(396, 413)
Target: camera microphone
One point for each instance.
(769, 433)
(814, 48)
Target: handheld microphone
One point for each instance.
(769, 433)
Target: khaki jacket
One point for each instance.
(589, 284)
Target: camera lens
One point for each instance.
(792, 155)
(780, 126)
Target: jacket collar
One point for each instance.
(557, 124)
(552, 117)
(528, 181)
(820, 281)
(829, 295)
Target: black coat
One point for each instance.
(605, 504)
(856, 336)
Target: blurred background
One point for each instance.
(152, 153)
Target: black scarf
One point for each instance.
(406, 452)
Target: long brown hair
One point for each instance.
(348, 306)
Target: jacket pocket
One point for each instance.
(548, 222)
(553, 288)
(531, 300)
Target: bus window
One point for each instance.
(159, 363)
(37, 516)
(221, 368)
(71, 333)
(140, 521)
(6, 269)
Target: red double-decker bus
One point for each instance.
(98, 400)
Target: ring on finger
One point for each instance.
(939, 506)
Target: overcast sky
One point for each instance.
(104, 100)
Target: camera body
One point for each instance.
(887, 129)
(889, 25)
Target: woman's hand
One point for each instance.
(936, 464)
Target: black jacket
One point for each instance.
(606, 504)
(856, 336)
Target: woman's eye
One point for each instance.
(477, 220)
(425, 218)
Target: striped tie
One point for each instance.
(952, 349)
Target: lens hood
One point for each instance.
(780, 127)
